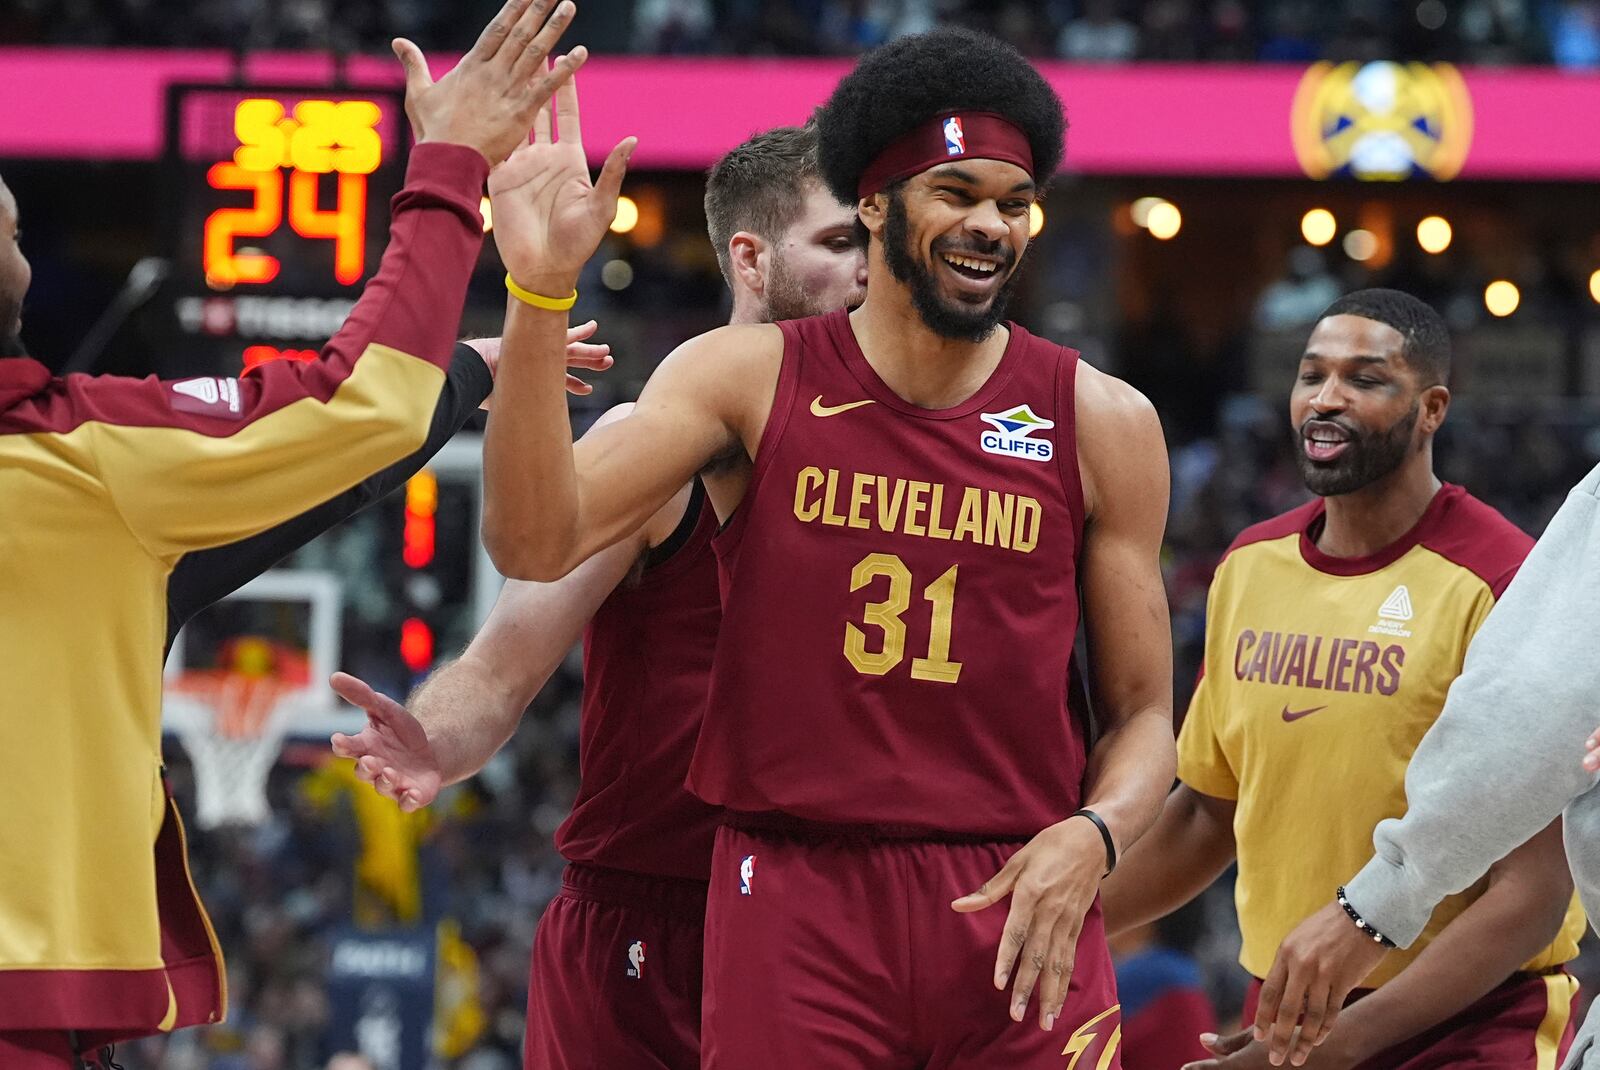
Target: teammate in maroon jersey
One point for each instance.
(616, 969)
(914, 496)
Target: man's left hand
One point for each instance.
(1317, 967)
(1052, 883)
(1241, 1051)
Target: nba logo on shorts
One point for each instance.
(747, 873)
(955, 139)
(636, 959)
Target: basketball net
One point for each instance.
(234, 747)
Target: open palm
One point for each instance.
(549, 217)
(392, 752)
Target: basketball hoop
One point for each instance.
(233, 738)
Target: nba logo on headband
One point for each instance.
(955, 140)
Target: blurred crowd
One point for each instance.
(1493, 32)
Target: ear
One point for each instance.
(747, 256)
(873, 212)
(1435, 404)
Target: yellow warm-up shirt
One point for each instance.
(1321, 676)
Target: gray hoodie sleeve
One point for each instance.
(1504, 758)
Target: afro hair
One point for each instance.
(917, 77)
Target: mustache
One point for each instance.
(1324, 421)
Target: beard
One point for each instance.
(786, 296)
(11, 330)
(963, 322)
(1368, 458)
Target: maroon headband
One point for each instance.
(972, 135)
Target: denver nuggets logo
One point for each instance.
(1382, 121)
(955, 139)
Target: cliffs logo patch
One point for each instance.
(747, 874)
(955, 138)
(636, 959)
(1011, 431)
(206, 396)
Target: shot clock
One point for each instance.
(279, 213)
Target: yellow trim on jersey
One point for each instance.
(1559, 988)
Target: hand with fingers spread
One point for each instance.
(392, 753)
(1316, 968)
(1241, 1051)
(581, 353)
(548, 216)
(1052, 882)
(488, 101)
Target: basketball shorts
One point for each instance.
(828, 953)
(616, 974)
(1523, 1024)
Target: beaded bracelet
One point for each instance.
(1361, 923)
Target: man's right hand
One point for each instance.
(489, 100)
(392, 753)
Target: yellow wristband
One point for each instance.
(551, 304)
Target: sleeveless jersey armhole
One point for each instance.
(659, 555)
(777, 421)
(1067, 453)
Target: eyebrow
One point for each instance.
(1362, 358)
(951, 170)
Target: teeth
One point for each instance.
(969, 263)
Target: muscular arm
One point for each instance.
(549, 505)
(1187, 848)
(471, 707)
(1123, 459)
(1519, 914)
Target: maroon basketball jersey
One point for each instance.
(646, 663)
(900, 600)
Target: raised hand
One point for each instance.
(1052, 882)
(488, 101)
(392, 753)
(548, 216)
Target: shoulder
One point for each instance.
(1119, 440)
(1477, 537)
(1281, 526)
(724, 344)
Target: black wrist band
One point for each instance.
(1361, 923)
(1105, 834)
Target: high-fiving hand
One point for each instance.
(548, 216)
(392, 753)
(489, 100)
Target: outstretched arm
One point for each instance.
(546, 506)
(1188, 848)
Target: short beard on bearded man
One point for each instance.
(1371, 456)
(967, 323)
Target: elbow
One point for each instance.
(520, 554)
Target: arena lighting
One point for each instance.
(416, 644)
(1594, 286)
(627, 216)
(422, 502)
(1035, 220)
(1318, 226)
(1434, 234)
(1501, 298)
(617, 274)
(1360, 244)
(1165, 221)
(488, 215)
(1140, 211)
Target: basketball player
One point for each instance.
(1310, 706)
(617, 957)
(911, 495)
(101, 936)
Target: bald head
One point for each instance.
(14, 276)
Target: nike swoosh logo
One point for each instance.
(1290, 716)
(819, 409)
